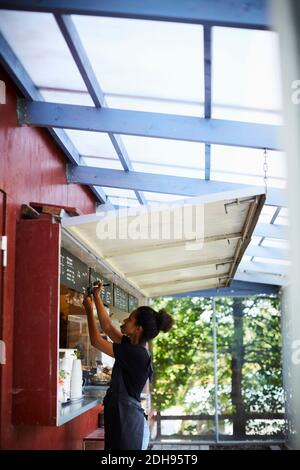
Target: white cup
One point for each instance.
(76, 380)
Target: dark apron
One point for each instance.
(123, 416)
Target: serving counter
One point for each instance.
(71, 410)
(50, 285)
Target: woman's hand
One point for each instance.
(98, 289)
(88, 302)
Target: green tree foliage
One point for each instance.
(176, 355)
(183, 358)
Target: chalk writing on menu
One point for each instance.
(73, 272)
(120, 298)
(133, 303)
(106, 295)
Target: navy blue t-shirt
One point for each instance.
(135, 362)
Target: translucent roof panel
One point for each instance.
(110, 163)
(122, 197)
(284, 212)
(246, 179)
(237, 113)
(145, 59)
(275, 243)
(123, 193)
(66, 97)
(267, 214)
(246, 165)
(161, 197)
(159, 67)
(282, 221)
(247, 258)
(92, 144)
(281, 262)
(169, 157)
(283, 217)
(255, 241)
(123, 202)
(169, 170)
(245, 75)
(38, 43)
(167, 106)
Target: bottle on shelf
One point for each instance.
(99, 366)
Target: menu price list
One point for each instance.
(120, 299)
(133, 303)
(73, 272)
(106, 294)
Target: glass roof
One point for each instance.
(92, 144)
(273, 242)
(245, 75)
(55, 95)
(161, 197)
(160, 62)
(159, 67)
(246, 165)
(35, 38)
(168, 157)
(267, 214)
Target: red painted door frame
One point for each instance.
(2, 231)
(2, 290)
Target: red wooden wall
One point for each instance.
(32, 168)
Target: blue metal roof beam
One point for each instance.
(20, 77)
(140, 123)
(207, 92)
(236, 289)
(74, 43)
(252, 14)
(166, 184)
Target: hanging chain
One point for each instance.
(265, 168)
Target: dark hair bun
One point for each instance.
(164, 320)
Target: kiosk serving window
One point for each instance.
(50, 321)
(74, 328)
(75, 279)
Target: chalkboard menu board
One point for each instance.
(76, 275)
(120, 298)
(106, 295)
(133, 303)
(73, 272)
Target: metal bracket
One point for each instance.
(4, 249)
(69, 172)
(2, 92)
(2, 352)
(21, 111)
(237, 202)
(223, 264)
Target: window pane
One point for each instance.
(250, 391)
(184, 381)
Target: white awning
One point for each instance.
(193, 244)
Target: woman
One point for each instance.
(124, 419)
